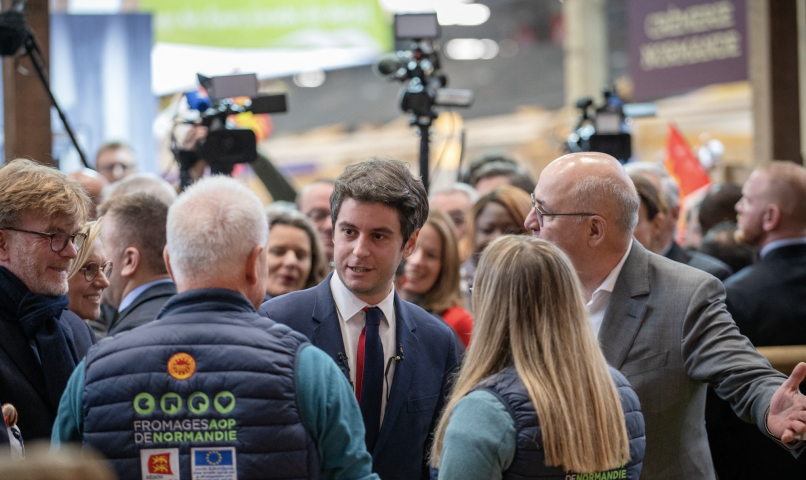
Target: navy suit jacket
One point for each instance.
(421, 380)
(144, 308)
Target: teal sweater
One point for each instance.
(327, 405)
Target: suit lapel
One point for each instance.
(404, 372)
(327, 330)
(16, 345)
(625, 311)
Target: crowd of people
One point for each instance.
(500, 328)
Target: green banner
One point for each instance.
(302, 24)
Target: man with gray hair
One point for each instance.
(662, 324)
(668, 188)
(213, 388)
(456, 202)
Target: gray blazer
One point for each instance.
(667, 330)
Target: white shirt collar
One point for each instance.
(784, 242)
(610, 282)
(348, 304)
(132, 296)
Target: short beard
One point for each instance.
(26, 271)
(742, 239)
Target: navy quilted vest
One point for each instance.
(529, 461)
(209, 388)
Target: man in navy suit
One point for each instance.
(398, 358)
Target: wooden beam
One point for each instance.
(26, 105)
(784, 359)
(774, 75)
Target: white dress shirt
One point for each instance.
(784, 242)
(352, 319)
(601, 296)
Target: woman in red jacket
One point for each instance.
(432, 275)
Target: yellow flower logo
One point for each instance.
(181, 366)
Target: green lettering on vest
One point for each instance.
(231, 436)
(201, 406)
(219, 436)
(213, 425)
(222, 424)
(208, 436)
(199, 437)
(149, 403)
(157, 437)
(168, 437)
(188, 436)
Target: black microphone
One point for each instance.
(13, 30)
(388, 64)
(399, 358)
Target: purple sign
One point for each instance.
(684, 45)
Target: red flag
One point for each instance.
(683, 165)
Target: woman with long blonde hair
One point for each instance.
(534, 397)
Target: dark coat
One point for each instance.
(144, 308)
(22, 380)
(700, 261)
(420, 384)
(768, 302)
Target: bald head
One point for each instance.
(589, 208)
(786, 187)
(596, 183)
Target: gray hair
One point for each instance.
(592, 191)
(468, 190)
(214, 224)
(668, 185)
(149, 183)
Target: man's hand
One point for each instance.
(787, 416)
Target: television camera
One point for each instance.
(223, 147)
(606, 130)
(423, 83)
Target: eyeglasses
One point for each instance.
(58, 240)
(541, 213)
(91, 270)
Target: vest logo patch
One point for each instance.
(159, 464)
(213, 463)
(181, 366)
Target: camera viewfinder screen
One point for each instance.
(416, 25)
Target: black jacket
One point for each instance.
(768, 302)
(143, 309)
(700, 261)
(22, 381)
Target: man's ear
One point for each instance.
(131, 262)
(411, 245)
(253, 264)
(5, 250)
(657, 224)
(167, 259)
(597, 230)
(772, 218)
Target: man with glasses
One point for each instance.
(661, 323)
(314, 202)
(42, 213)
(115, 161)
(133, 233)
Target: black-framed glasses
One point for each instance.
(91, 270)
(58, 240)
(541, 213)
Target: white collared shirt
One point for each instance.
(132, 296)
(784, 242)
(352, 319)
(601, 296)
